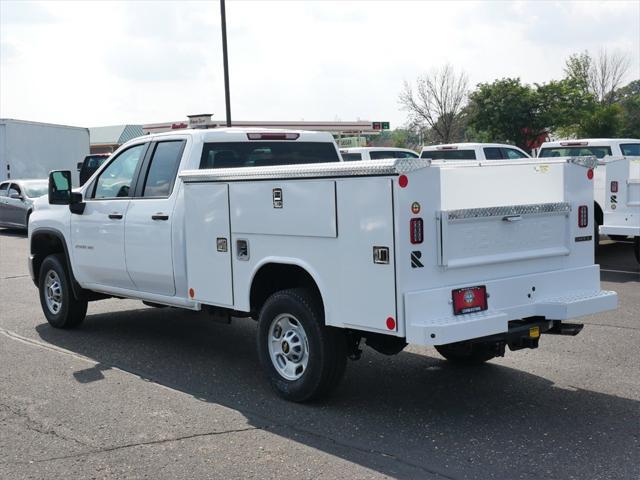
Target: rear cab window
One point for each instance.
(449, 154)
(380, 155)
(351, 157)
(580, 151)
(492, 153)
(4, 189)
(265, 153)
(630, 149)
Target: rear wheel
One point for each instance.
(303, 359)
(60, 307)
(466, 353)
(596, 237)
(636, 248)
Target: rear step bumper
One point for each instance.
(628, 230)
(559, 295)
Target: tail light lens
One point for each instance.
(614, 187)
(583, 216)
(469, 300)
(417, 230)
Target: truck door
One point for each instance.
(97, 236)
(149, 220)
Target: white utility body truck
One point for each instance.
(269, 224)
(616, 183)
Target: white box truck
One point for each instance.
(30, 150)
(470, 257)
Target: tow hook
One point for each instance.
(561, 328)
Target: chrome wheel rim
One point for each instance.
(288, 346)
(53, 292)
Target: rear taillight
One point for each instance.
(468, 300)
(417, 230)
(614, 187)
(583, 216)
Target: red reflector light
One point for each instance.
(391, 323)
(614, 187)
(403, 181)
(469, 300)
(273, 136)
(583, 216)
(590, 174)
(417, 230)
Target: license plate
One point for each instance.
(469, 299)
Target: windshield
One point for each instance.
(449, 154)
(599, 152)
(630, 149)
(33, 190)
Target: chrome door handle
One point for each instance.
(115, 216)
(160, 216)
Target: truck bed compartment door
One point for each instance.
(208, 243)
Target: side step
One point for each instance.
(561, 328)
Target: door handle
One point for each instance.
(115, 216)
(160, 216)
(512, 218)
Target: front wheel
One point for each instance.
(59, 305)
(303, 358)
(465, 353)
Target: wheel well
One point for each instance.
(43, 245)
(597, 213)
(273, 277)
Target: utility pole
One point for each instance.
(225, 60)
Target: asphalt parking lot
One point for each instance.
(140, 392)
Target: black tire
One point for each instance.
(465, 353)
(327, 346)
(70, 311)
(636, 248)
(596, 238)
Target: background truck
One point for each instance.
(466, 256)
(473, 151)
(30, 150)
(616, 183)
(375, 153)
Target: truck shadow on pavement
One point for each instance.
(12, 232)
(408, 416)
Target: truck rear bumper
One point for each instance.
(559, 295)
(628, 230)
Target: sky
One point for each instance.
(104, 63)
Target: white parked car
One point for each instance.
(375, 153)
(471, 258)
(616, 182)
(473, 151)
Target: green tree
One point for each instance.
(628, 98)
(604, 121)
(506, 111)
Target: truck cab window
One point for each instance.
(262, 154)
(512, 154)
(630, 149)
(492, 153)
(4, 189)
(163, 169)
(115, 180)
(351, 157)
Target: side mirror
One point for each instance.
(60, 187)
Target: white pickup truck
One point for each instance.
(473, 151)
(616, 182)
(268, 224)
